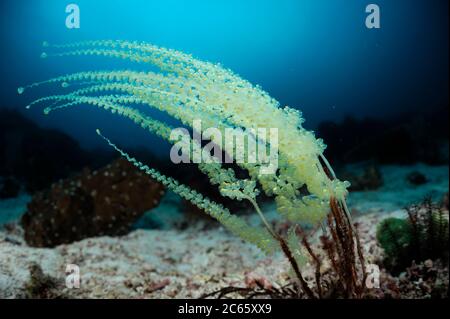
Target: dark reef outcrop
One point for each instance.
(34, 156)
(416, 178)
(9, 187)
(101, 202)
(367, 178)
(404, 139)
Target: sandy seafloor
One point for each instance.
(172, 263)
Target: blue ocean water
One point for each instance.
(377, 96)
(317, 56)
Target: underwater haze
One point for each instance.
(317, 56)
(159, 150)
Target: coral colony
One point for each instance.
(303, 185)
